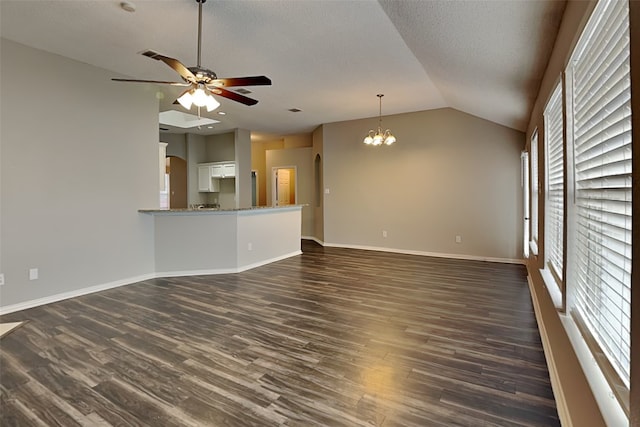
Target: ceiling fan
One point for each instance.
(202, 82)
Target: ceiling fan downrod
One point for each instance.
(199, 28)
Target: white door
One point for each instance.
(284, 187)
(283, 194)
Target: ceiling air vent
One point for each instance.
(294, 110)
(243, 91)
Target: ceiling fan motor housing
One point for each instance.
(203, 75)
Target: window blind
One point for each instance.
(554, 206)
(602, 156)
(534, 189)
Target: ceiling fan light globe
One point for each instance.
(200, 97)
(212, 103)
(186, 100)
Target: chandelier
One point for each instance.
(379, 137)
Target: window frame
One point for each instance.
(555, 158)
(577, 189)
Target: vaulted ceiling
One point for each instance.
(328, 58)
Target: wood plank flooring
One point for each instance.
(334, 337)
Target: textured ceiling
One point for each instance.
(328, 58)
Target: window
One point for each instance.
(554, 205)
(534, 192)
(599, 267)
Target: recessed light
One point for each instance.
(209, 127)
(222, 113)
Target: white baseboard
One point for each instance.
(131, 280)
(215, 271)
(318, 241)
(97, 288)
(75, 293)
(424, 253)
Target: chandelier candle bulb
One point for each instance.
(378, 137)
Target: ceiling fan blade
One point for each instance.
(232, 95)
(153, 81)
(241, 81)
(173, 63)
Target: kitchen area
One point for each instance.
(212, 172)
(211, 227)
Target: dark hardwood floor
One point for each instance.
(334, 337)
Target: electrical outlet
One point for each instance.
(384, 233)
(458, 239)
(326, 191)
(33, 274)
(1, 279)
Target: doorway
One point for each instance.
(254, 188)
(177, 182)
(524, 182)
(283, 186)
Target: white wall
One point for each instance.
(79, 158)
(188, 243)
(243, 168)
(177, 144)
(449, 174)
(196, 153)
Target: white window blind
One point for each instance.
(602, 157)
(534, 190)
(554, 206)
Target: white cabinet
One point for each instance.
(216, 171)
(223, 170)
(206, 182)
(228, 170)
(209, 175)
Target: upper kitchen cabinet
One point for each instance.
(207, 183)
(223, 170)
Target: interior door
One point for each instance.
(283, 178)
(177, 182)
(283, 186)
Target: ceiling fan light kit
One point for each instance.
(379, 137)
(202, 83)
(199, 97)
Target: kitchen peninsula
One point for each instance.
(216, 241)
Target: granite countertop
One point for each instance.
(209, 210)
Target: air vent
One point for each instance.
(294, 110)
(164, 129)
(243, 91)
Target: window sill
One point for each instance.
(610, 408)
(552, 287)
